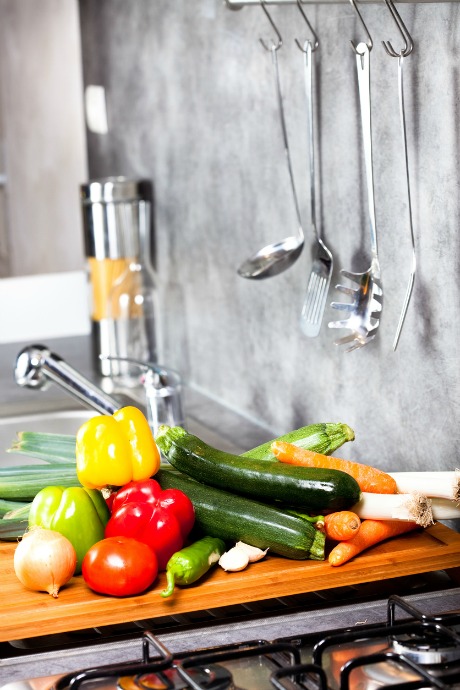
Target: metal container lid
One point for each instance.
(115, 190)
(115, 216)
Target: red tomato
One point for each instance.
(119, 566)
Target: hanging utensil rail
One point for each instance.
(239, 4)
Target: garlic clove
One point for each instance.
(254, 554)
(234, 560)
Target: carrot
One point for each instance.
(371, 532)
(342, 525)
(370, 479)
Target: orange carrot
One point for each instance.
(370, 479)
(371, 532)
(342, 525)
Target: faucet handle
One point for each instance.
(162, 387)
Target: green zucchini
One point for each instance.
(9, 506)
(234, 518)
(322, 438)
(308, 488)
(22, 483)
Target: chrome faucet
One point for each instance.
(36, 366)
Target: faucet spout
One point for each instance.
(36, 366)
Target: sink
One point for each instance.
(56, 422)
(68, 422)
(56, 412)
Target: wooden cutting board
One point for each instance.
(26, 614)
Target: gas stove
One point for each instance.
(354, 638)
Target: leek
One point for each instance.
(7, 507)
(23, 485)
(414, 507)
(439, 484)
(51, 448)
(21, 511)
(444, 509)
(35, 470)
(12, 530)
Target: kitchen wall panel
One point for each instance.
(191, 104)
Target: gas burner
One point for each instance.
(427, 649)
(212, 677)
(433, 643)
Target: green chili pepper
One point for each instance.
(78, 513)
(189, 564)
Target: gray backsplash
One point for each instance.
(191, 105)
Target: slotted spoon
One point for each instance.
(366, 306)
(321, 270)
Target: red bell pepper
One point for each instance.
(161, 519)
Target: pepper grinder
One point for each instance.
(117, 231)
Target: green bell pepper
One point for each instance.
(78, 513)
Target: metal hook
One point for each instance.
(408, 43)
(315, 43)
(275, 46)
(369, 42)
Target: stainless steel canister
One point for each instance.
(117, 232)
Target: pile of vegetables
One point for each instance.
(105, 506)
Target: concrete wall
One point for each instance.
(191, 104)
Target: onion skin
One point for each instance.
(44, 560)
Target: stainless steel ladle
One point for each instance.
(276, 258)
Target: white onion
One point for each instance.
(44, 560)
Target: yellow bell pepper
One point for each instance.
(114, 450)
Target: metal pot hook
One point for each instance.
(369, 41)
(274, 46)
(408, 43)
(315, 44)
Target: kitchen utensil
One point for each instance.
(321, 270)
(407, 50)
(365, 309)
(275, 258)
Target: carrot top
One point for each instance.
(370, 479)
